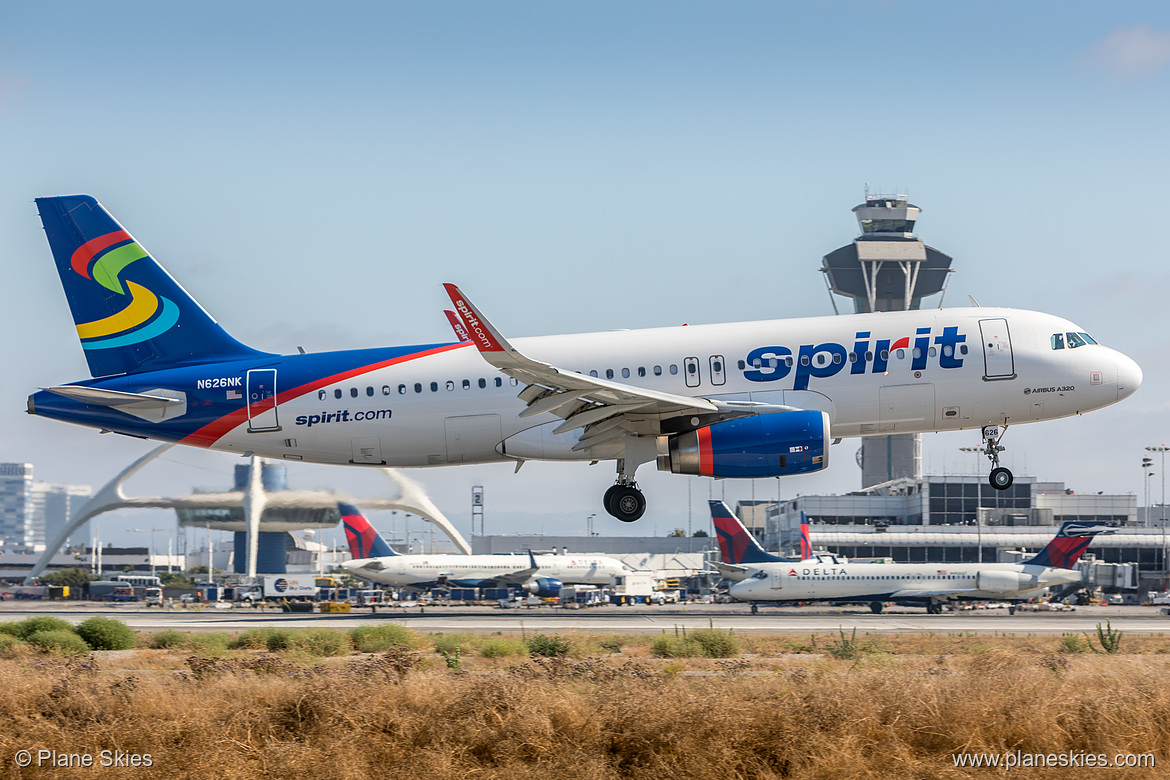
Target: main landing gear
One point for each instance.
(624, 500)
(1000, 477)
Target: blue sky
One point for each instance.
(313, 172)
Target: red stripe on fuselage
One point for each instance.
(84, 253)
(706, 457)
(214, 431)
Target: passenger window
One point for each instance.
(434, 387)
(657, 370)
(625, 373)
(321, 395)
(868, 356)
(353, 392)
(917, 352)
(337, 393)
(933, 351)
(641, 370)
(1058, 341)
(804, 360)
(482, 383)
(837, 357)
(673, 369)
(609, 373)
(885, 354)
(466, 384)
(401, 389)
(593, 373)
(450, 385)
(370, 389)
(513, 381)
(788, 362)
(499, 382)
(418, 387)
(962, 349)
(742, 365)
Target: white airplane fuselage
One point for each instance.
(834, 579)
(957, 369)
(423, 571)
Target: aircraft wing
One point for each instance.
(730, 570)
(605, 408)
(910, 593)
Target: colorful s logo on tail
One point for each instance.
(130, 314)
(1069, 544)
(364, 540)
(736, 544)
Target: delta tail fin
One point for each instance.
(1069, 544)
(736, 544)
(131, 315)
(805, 539)
(364, 540)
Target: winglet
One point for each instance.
(485, 337)
(457, 326)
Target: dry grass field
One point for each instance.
(297, 704)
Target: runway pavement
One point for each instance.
(619, 620)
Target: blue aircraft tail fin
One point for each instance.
(364, 540)
(736, 544)
(131, 315)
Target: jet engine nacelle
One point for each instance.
(767, 445)
(1002, 580)
(544, 587)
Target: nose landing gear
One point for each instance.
(1000, 477)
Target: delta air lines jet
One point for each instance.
(542, 576)
(766, 577)
(746, 399)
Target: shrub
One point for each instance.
(321, 641)
(29, 626)
(451, 644)
(206, 644)
(1074, 643)
(10, 628)
(103, 633)
(714, 643)
(8, 644)
(271, 639)
(668, 646)
(380, 638)
(549, 646)
(502, 647)
(59, 642)
(167, 639)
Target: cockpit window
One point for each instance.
(1087, 338)
(1075, 340)
(1058, 341)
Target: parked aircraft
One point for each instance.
(746, 400)
(836, 579)
(540, 575)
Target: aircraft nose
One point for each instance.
(1129, 376)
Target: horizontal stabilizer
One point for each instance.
(154, 406)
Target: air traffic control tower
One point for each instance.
(887, 268)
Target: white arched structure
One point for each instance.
(254, 499)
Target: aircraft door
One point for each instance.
(718, 376)
(368, 450)
(998, 361)
(776, 579)
(691, 371)
(262, 413)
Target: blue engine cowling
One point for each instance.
(544, 587)
(767, 445)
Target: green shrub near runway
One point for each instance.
(103, 633)
(60, 642)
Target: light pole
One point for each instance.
(1163, 450)
(1147, 467)
(151, 556)
(589, 524)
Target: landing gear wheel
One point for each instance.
(755, 609)
(934, 609)
(1000, 478)
(876, 607)
(1012, 609)
(626, 503)
(608, 497)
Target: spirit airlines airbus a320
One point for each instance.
(747, 399)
